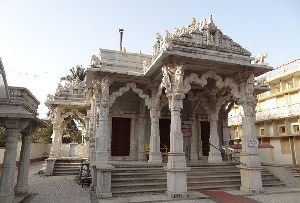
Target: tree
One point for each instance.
(71, 133)
(2, 137)
(79, 72)
(43, 135)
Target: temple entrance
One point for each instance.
(120, 138)
(164, 132)
(205, 134)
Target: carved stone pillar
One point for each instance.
(176, 167)
(133, 152)
(103, 189)
(249, 157)
(13, 129)
(214, 153)
(23, 168)
(200, 150)
(194, 141)
(251, 168)
(155, 154)
(57, 122)
(59, 141)
(142, 125)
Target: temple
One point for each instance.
(176, 99)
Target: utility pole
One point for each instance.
(121, 37)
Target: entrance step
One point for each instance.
(67, 166)
(133, 180)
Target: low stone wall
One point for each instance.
(38, 152)
(80, 150)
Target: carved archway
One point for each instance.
(228, 82)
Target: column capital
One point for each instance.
(29, 130)
(16, 123)
(248, 103)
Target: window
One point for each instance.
(285, 145)
(262, 131)
(236, 133)
(265, 140)
(295, 128)
(277, 89)
(75, 91)
(281, 129)
(290, 85)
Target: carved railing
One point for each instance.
(22, 96)
(271, 113)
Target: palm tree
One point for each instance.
(79, 72)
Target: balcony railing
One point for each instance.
(272, 113)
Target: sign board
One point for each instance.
(186, 130)
(253, 143)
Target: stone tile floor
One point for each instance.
(54, 189)
(64, 189)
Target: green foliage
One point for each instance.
(43, 135)
(79, 72)
(2, 137)
(71, 133)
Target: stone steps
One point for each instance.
(133, 180)
(67, 166)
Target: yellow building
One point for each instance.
(278, 113)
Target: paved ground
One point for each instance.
(63, 189)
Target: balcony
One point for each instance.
(272, 113)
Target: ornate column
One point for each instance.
(59, 141)
(23, 168)
(103, 189)
(57, 122)
(13, 129)
(194, 140)
(155, 154)
(176, 167)
(133, 152)
(200, 153)
(251, 168)
(142, 125)
(214, 154)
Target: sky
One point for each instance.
(41, 40)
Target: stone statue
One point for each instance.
(95, 61)
(261, 59)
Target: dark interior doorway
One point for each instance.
(164, 131)
(205, 134)
(120, 138)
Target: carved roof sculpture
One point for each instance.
(72, 90)
(204, 35)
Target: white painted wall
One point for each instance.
(38, 150)
(278, 156)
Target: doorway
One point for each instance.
(205, 134)
(164, 132)
(120, 137)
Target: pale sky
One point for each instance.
(41, 40)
